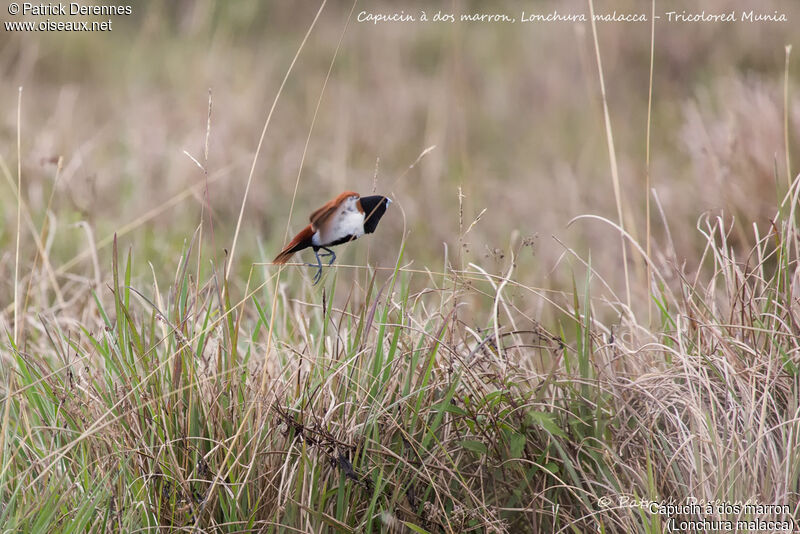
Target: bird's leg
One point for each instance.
(318, 266)
(329, 252)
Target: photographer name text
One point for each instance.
(66, 13)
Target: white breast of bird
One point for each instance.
(347, 221)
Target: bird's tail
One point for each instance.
(300, 241)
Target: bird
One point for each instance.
(345, 218)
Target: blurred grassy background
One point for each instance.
(513, 109)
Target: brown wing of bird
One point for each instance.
(300, 241)
(320, 216)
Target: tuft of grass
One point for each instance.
(394, 410)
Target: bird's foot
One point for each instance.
(318, 274)
(329, 254)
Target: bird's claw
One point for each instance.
(328, 253)
(318, 274)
